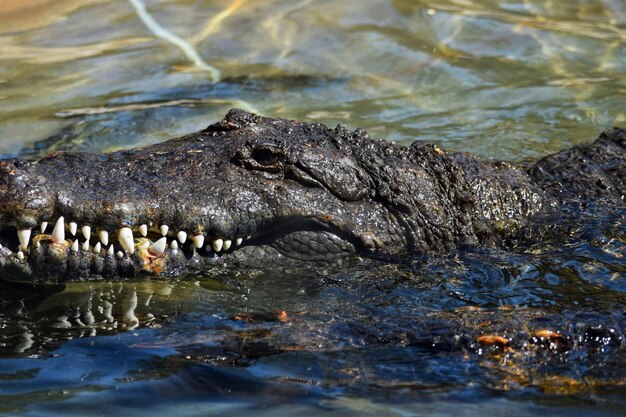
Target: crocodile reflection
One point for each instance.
(34, 321)
(558, 350)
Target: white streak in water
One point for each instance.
(165, 34)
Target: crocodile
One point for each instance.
(258, 190)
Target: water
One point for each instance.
(503, 79)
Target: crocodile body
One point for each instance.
(254, 190)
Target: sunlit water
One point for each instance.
(504, 79)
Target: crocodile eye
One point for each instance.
(266, 156)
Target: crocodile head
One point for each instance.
(247, 189)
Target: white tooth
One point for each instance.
(198, 241)
(110, 250)
(58, 234)
(164, 229)
(20, 255)
(238, 241)
(145, 245)
(37, 245)
(158, 247)
(86, 245)
(120, 254)
(73, 227)
(24, 237)
(103, 235)
(126, 239)
(43, 226)
(227, 244)
(86, 232)
(74, 247)
(97, 248)
(143, 230)
(174, 245)
(217, 245)
(182, 236)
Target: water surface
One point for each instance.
(504, 79)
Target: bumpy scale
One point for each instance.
(259, 190)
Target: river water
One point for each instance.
(510, 80)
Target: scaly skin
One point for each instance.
(276, 190)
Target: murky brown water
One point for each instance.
(504, 79)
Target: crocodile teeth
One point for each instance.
(74, 247)
(182, 236)
(238, 241)
(86, 232)
(43, 226)
(158, 247)
(174, 245)
(217, 245)
(97, 248)
(227, 244)
(164, 229)
(37, 245)
(103, 235)
(198, 241)
(20, 255)
(126, 239)
(86, 246)
(120, 254)
(24, 237)
(143, 230)
(110, 250)
(73, 227)
(58, 234)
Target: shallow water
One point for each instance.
(503, 79)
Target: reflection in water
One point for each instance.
(488, 331)
(454, 328)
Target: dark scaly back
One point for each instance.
(447, 199)
(586, 174)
